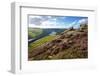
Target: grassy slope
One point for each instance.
(40, 42)
(34, 32)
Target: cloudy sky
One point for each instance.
(56, 21)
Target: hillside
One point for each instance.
(70, 44)
(32, 33)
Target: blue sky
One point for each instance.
(57, 21)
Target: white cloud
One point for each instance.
(39, 20)
(49, 17)
(32, 25)
(76, 24)
(48, 23)
(83, 21)
(52, 22)
(54, 19)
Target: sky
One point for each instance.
(56, 21)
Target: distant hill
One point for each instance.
(36, 33)
(70, 44)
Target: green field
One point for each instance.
(33, 32)
(40, 42)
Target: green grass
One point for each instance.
(33, 32)
(40, 42)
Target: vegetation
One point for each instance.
(40, 42)
(32, 33)
(70, 44)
